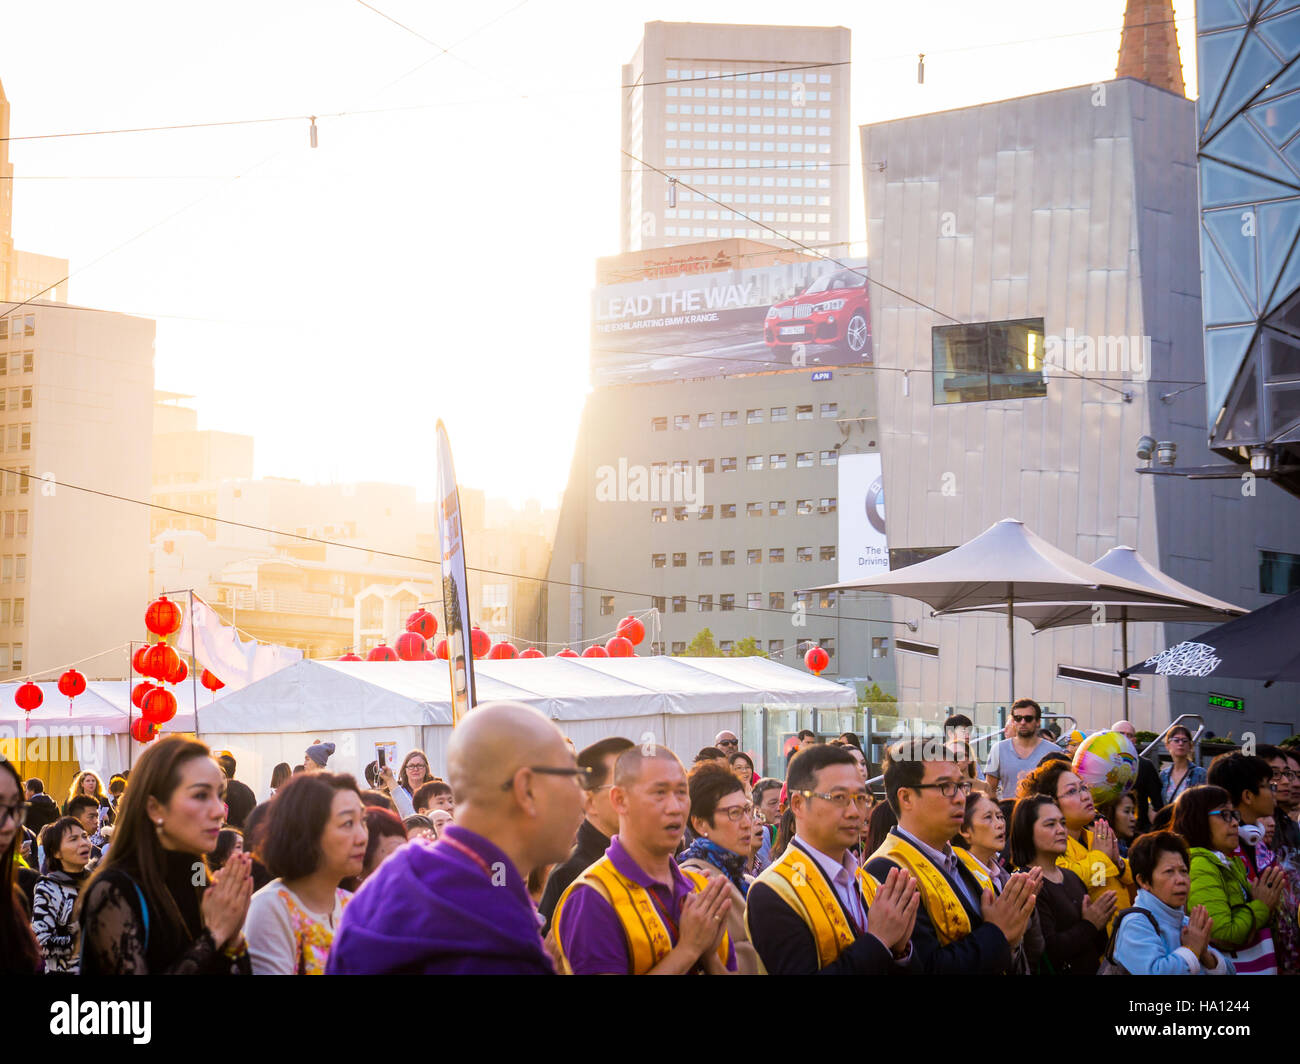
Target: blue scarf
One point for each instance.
(732, 864)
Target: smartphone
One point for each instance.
(383, 758)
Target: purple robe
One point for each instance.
(432, 910)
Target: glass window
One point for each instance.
(659, 515)
(606, 605)
(753, 417)
(803, 554)
(728, 510)
(679, 559)
(728, 418)
(728, 465)
(705, 604)
(803, 506)
(681, 422)
(988, 361)
(728, 557)
(29, 325)
(26, 439)
(775, 648)
(18, 657)
(679, 647)
(679, 604)
(11, 438)
(754, 509)
(754, 600)
(828, 554)
(754, 556)
(827, 601)
(726, 646)
(659, 603)
(658, 469)
(779, 414)
(20, 569)
(1279, 573)
(803, 460)
(658, 424)
(4, 328)
(827, 506)
(705, 557)
(830, 457)
(777, 461)
(830, 409)
(24, 482)
(6, 568)
(776, 508)
(706, 513)
(658, 561)
(776, 600)
(9, 524)
(680, 514)
(706, 421)
(705, 465)
(18, 611)
(754, 462)
(726, 603)
(803, 413)
(27, 398)
(775, 555)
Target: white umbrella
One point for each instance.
(1192, 607)
(1004, 566)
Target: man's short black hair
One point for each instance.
(427, 792)
(1144, 852)
(709, 753)
(764, 785)
(35, 786)
(849, 738)
(807, 763)
(82, 801)
(959, 720)
(1238, 773)
(905, 765)
(806, 734)
(227, 762)
(1269, 753)
(594, 757)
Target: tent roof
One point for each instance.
(103, 704)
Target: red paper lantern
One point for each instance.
(429, 655)
(143, 731)
(163, 617)
(567, 653)
(213, 684)
(383, 652)
(158, 706)
(595, 651)
(479, 642)
(160, 662)
(28, 697)
(411, 646)
(139, 691)
(178, 671)
(632, 630)
(503, 651)
(816, 659)
(532, 652)
(137, 660)
(440, 651)
(620, 646)
(71, 684)
(346, 657)
(422, 623)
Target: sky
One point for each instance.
(433, 258)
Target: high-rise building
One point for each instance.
(754, 117)
(6, 198)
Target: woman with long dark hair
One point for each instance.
(152, 906)
(19, 952)
(280, 775)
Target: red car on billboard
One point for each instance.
(831, 310)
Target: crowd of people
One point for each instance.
(531, 858)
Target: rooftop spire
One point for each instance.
(1148, 47)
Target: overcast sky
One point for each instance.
(421, 263)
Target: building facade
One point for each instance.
(756, 118)
(1054, 236)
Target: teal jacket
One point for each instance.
(1221, 885)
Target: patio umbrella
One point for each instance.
(1192, 605)
(1000, 568)
(1263, 645)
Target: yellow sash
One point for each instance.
(648, 938)
(1089, 865)
(975, 868)
(798, 881)
(942, 905)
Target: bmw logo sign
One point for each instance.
(875, 505)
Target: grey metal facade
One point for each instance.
(1079, 207)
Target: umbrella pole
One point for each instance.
(1123, 643)
(1011, 643)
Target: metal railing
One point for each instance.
(1196, 735)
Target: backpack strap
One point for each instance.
(1119, 917)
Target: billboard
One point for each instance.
(790, 315)
(863, 549)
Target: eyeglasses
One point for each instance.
(18, 812)
(947, 788)
(841, 799)
(729, 742)
(1230, 815)
(1288, 775)
(1178, 739)
(736, 813)
(577, 772)
(1022, 720)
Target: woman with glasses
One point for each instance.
(722, 821)
(1091, 843)
(19, 952)
(1182, 773)
(1072, 923)
(1241, 910)
(742, 766)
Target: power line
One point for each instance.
(433, 562)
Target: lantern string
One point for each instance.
(64, 668)
(650, 614)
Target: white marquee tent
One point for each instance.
(681, 702)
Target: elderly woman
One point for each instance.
(1182, 773)
(721, 819)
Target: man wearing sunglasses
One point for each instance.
(960, 927)
(460, 906)
(815, 910)
(1012, 759)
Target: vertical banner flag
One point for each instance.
(455, 591)
(863, 549)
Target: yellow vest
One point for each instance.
(797, 879)
(1090, 865)
(648, 938)
(946, 912)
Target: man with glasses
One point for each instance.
(634, 912)
(460, 906)
(1012, 759)
(599, 824)
(1286, 834)
(960, 928)
(727, 742)
(815, 910)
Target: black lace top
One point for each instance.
(119, 937)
